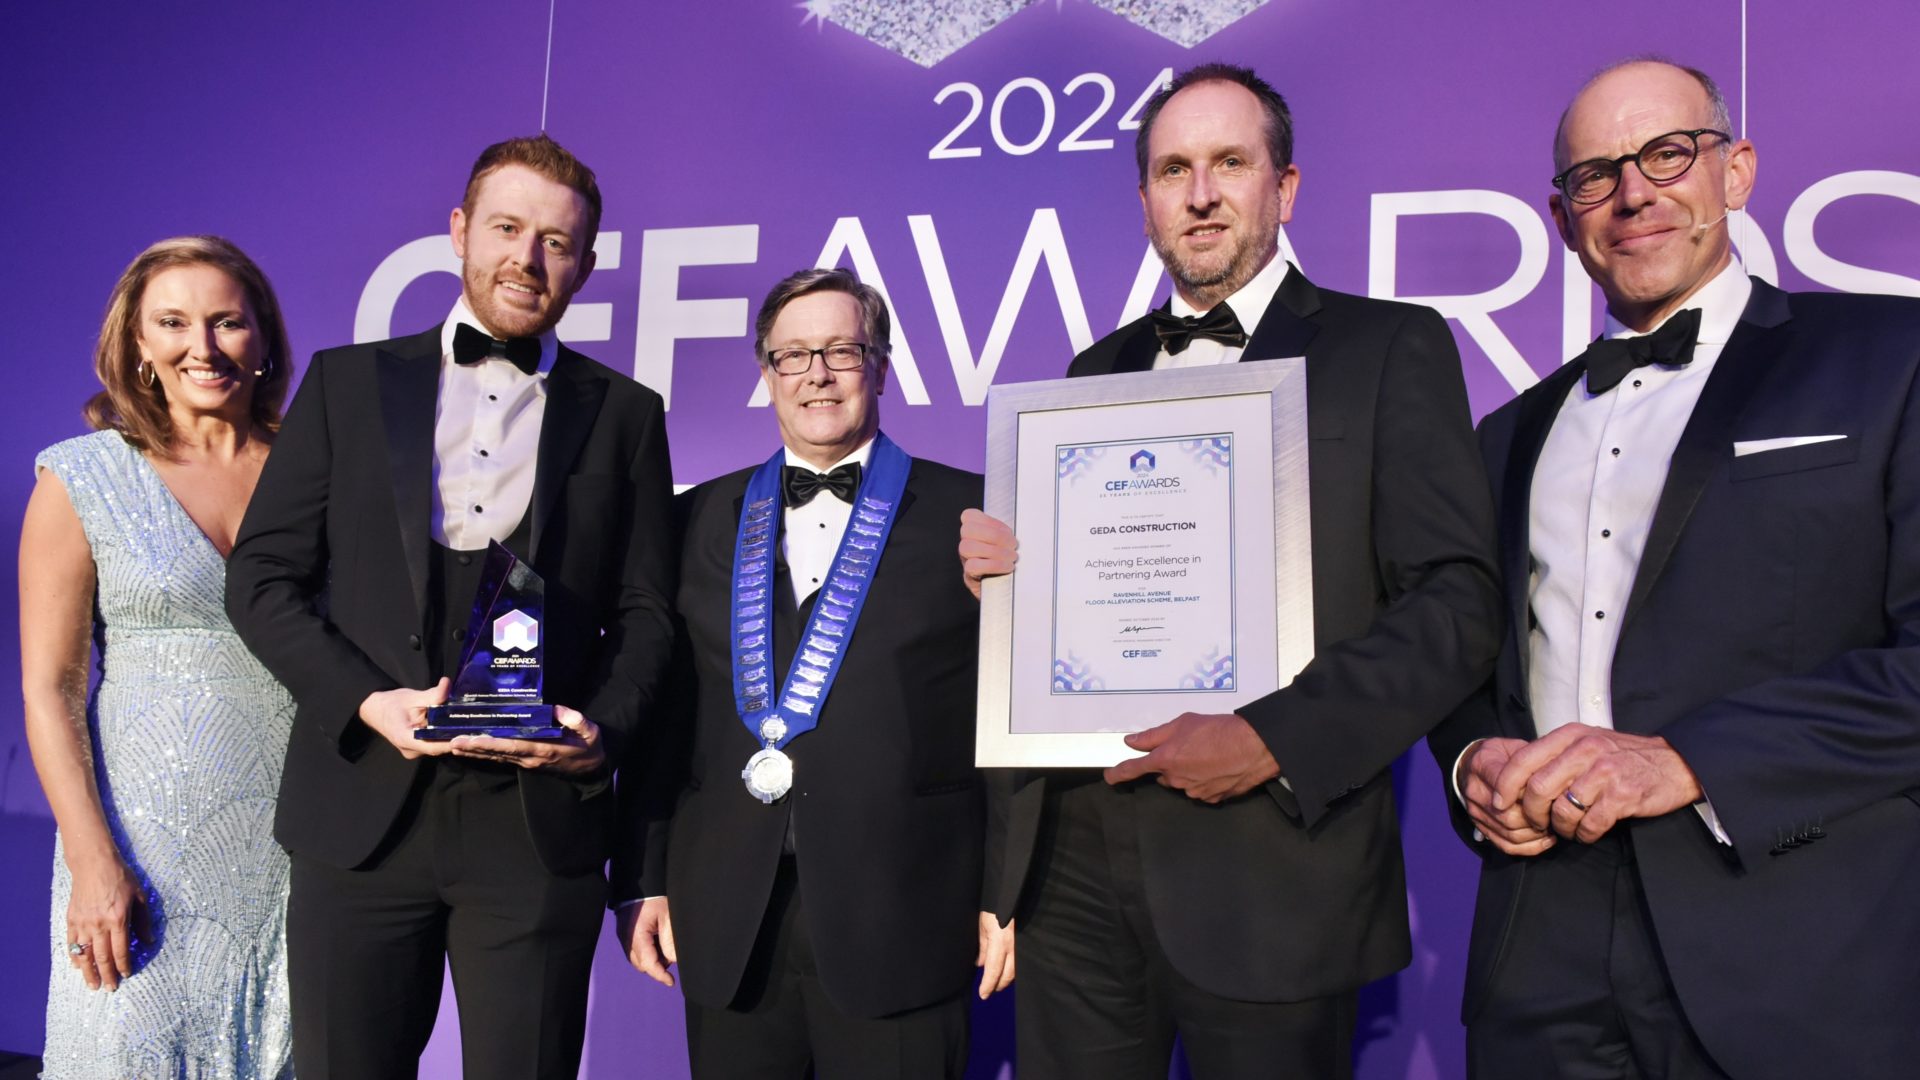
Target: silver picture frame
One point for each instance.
(1031, 712)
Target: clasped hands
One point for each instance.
(1575, 782)
(394, 714)
(1210, 756)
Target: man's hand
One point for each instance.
(995, 959)
(987, 548)
(577, 753)
(646, 932)
(1210, 757)
(1475, 777)
(1580, 781)
(395, 713)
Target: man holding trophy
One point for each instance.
(477, 501)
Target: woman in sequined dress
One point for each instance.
(169, 895)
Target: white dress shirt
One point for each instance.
(813, 531)
(1249, 306)
(486, 440)
(1595, 487)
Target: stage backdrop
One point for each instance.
(974, 158)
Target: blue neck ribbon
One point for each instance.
(823, 644)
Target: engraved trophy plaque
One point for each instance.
(496, 688)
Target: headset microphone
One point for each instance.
(1711, 224)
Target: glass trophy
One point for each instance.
(496, 688)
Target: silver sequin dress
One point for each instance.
(188, 732)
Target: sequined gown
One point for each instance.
(188, 732)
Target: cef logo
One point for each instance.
(516, 630)
(1141, 462)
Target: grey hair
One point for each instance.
(873, 307)
(1718, 116)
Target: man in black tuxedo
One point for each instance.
(353, 579)
(824, 903)
(1694, 781)
(1243, 899)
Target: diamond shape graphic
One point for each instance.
(516, 630)
(924, 31)
(1185, 22)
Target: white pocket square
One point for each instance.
(1761, 446)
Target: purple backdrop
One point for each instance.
(977, 163)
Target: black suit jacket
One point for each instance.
(328, 583)
(1772, 635)
(887, 807)
(1282, 895)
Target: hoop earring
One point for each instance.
(144, 370)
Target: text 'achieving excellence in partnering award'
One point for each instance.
(496, 689)
(1165, 556)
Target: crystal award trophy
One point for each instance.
(496, 688)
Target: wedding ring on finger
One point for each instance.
(1575, 801)
(77, 948)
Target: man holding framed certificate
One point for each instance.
(1242, 900)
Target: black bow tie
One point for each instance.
(798, 486)
(472, 345)
(1609, 360)
(1178, 331)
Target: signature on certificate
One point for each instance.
(1139, 629)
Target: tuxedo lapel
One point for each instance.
(575, 391)
(1138, 351)
(409, 381)
(1285, 330)
(1537, 411)
(1705, 445)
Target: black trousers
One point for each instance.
(782, 1022)
(459, 883)
(1096, 998)
(1581, 992)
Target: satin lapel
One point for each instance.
(575, 391)
(1285, 330)
(1706, 443)
(1539, 408)
(1138, 351)
(409, 379)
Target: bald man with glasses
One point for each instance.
(1694, 781)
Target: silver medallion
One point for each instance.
(769, 774)
(773, 729)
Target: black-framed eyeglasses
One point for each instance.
(1663, 158)
(840, 356)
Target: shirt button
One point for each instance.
(1616, 451)
(466, 559)
(493, 397)
(1605, 533)
(483, 453)
(1636, 384)
(1599, 614)
(1594, 700)
(413, 642)
(460, 634)
(479, 509)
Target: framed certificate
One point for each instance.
(1165, 556)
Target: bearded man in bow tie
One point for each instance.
(819, 881)
(1694, 781)
(353, 580)
(1243, 899)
